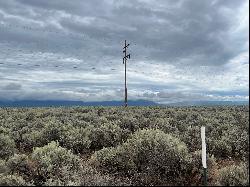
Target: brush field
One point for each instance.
(123, 146)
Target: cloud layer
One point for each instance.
(181, 50)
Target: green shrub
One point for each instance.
(129, 122)
(7, 146)
(12, 180)
(163, 125)
(18, 164)
(4, 130)
(90, 176)
(56, 182)
(194, 175)
(3, 167)
(33, 139)
(54, 162)
(227, 145)
(76, 139)
(148, 151)
(18, 129)
(240, 145)
(234, 175)
(53, 130)
(107, 135)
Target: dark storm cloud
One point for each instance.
(193, 30)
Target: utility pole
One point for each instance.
(125, 62)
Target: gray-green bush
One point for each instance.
(12, 180)
(107, 135)
(234, 175)
(7, 146)
(55, 162)
(76, 139)
(148, 151)
(18, 164)
(3, 167)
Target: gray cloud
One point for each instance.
(179, 49)
(12, 86)
(199, 32)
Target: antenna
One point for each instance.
(125, 62)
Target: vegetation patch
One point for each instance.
(108, 146)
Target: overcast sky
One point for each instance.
(181, 50)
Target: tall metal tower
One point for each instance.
(125, 62)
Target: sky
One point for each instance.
(181, 50)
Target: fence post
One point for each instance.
(204, 155)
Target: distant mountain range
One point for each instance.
(210, 103)
(57, 103)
